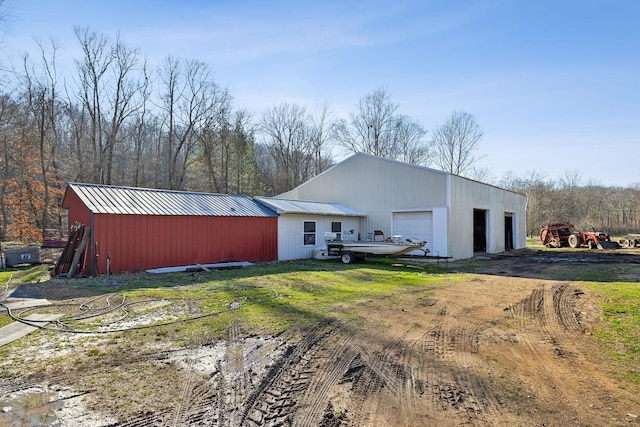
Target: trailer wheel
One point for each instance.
(573, 241)
(346, 257)
(632, 243)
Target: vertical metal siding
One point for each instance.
(376, 186)
(77, 210)
(440, 232)
(140, 242)
(290, 226)
(467, 195)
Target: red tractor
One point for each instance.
(558, 235)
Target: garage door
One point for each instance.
(416, 225)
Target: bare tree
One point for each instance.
(456, 142)
(288, 135)
(127, 97)
(8, 129)
(91, 73)
(322, 124)
(111, 91)
(371, 128)
(410, 142)
(377, 129)
(190, 101)
(482, 174)
(4, 14)
(42, 104)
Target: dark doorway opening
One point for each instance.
(479, 230)
(508, 231)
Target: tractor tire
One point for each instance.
(573, 241)
(592, 244)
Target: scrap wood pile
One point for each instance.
(74, 255)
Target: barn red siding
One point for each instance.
(140, 242)
(78, 212)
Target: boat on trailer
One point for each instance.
(350, 250)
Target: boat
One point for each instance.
(350, 250)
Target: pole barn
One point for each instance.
(138, 229)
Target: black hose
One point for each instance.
(33, 323)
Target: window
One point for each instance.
(336, 227)
(309, 233)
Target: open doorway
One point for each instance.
(479, 230)
(508, 231)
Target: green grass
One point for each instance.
(271, 297)
(18, 275)
(4, 320)
(6, 277)
(620, 332)
(535, 243)
(275, 297)
(10, 277)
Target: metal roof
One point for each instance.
(106, 199)
(285, 206)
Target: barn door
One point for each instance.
(508, 231)
(479, 230)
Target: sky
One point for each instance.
(554, 85)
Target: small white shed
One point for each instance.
(302, 225)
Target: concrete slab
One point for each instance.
(18, 303)
(15, 330)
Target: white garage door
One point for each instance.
(416, 225)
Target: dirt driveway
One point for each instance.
(507, 346)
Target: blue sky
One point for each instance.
(555, 85)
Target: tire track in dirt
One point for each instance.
(552, 308)
(234, 374)
(371, 389)
(324, 370)
(184, 399)
(203, 402)
(554, 352)
(276, 397)
(450, 345)
(325, 364)
(196, 404)
(420, 377)
(17, 384)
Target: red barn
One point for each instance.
(140, 229)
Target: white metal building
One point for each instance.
(302, 225)
(458, 217)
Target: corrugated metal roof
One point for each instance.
(106, 199)
(285, 206)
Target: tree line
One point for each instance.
(116, 120)
(567, 200)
